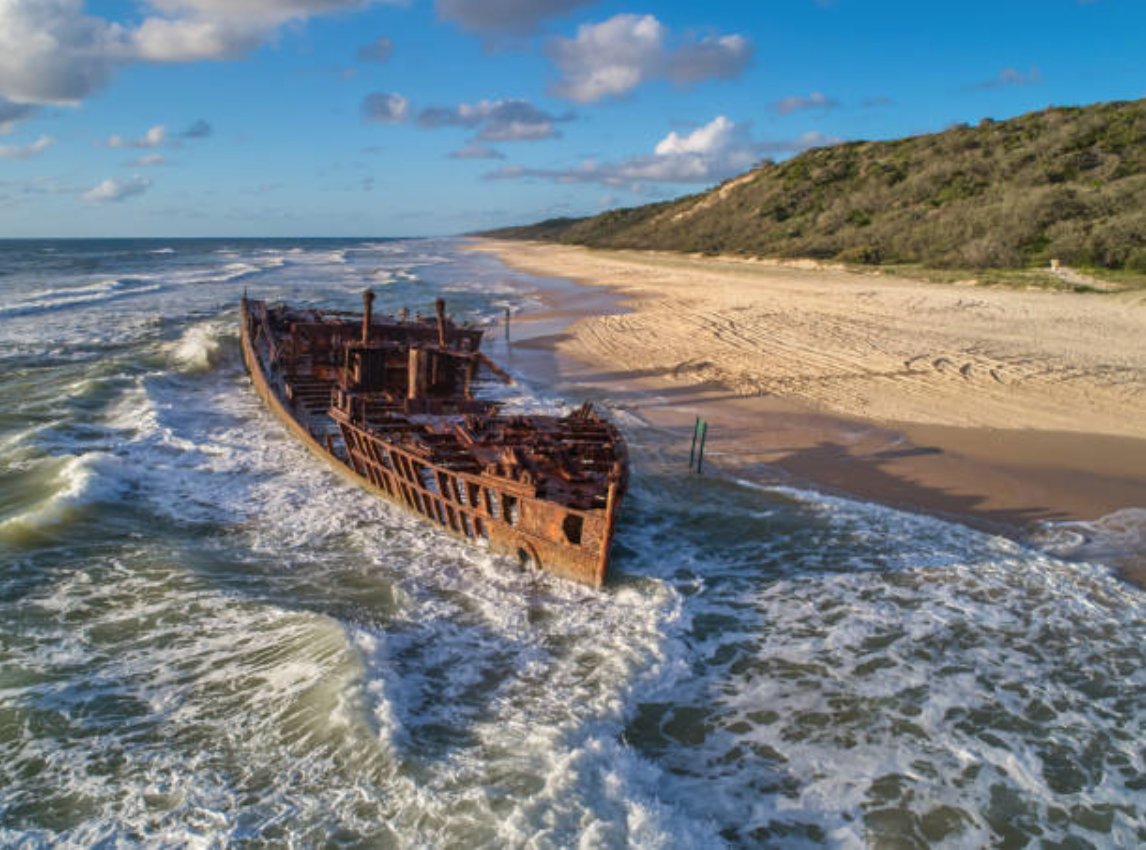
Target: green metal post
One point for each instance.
(692, 451)
(700, 454)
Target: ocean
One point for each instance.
(209, 639)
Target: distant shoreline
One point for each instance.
(1001, 408)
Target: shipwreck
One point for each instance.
(391, 402)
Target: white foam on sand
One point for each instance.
(1116, 536)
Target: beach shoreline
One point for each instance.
(1039, 419)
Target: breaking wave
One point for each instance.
(198, 350)
(78, 483)
(80, 296)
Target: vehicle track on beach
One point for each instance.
(874, 346)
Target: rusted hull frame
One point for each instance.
(534, 536)
(487, 510)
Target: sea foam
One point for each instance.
(198, 349)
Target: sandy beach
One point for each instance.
(1004, 407)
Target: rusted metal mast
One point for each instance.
(367, 314)
(440, 310)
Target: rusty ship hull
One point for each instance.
(390, 403)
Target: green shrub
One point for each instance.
(1065, 182)
(1136, 260)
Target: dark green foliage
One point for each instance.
(1065, 182)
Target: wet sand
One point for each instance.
(998, 407)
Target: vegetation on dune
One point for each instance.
(1065, 183)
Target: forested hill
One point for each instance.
(1067, 183)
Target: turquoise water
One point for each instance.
(208, 639)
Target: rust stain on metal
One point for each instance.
(390, 403)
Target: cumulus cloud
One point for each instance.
(719, 149)
(385, 108)
(723, 57)
(716, 151)
(113, 190)
(379, 50)
(796, 103)
(477, 151)
(510, 17)
(496, 120)
(612, 58)
(52, 52)
(1011, 77)
(11, 113)
(27, 151)
(254, 11)
(192, 40)
(153, 138)
(716, 135)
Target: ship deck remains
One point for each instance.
(391, 402)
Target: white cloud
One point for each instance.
(796, 103)
(153, 138)
(512, 17)
(195, 40)
(609, 58)
(264, 12)
(385, 108)
(149, 160)
(612, 58)
(716, 151)
(713, 136)
(722, 56)
(52, 52)
(113, 190)
(498, 120)
(27, 151)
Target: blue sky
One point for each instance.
(424, 117)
